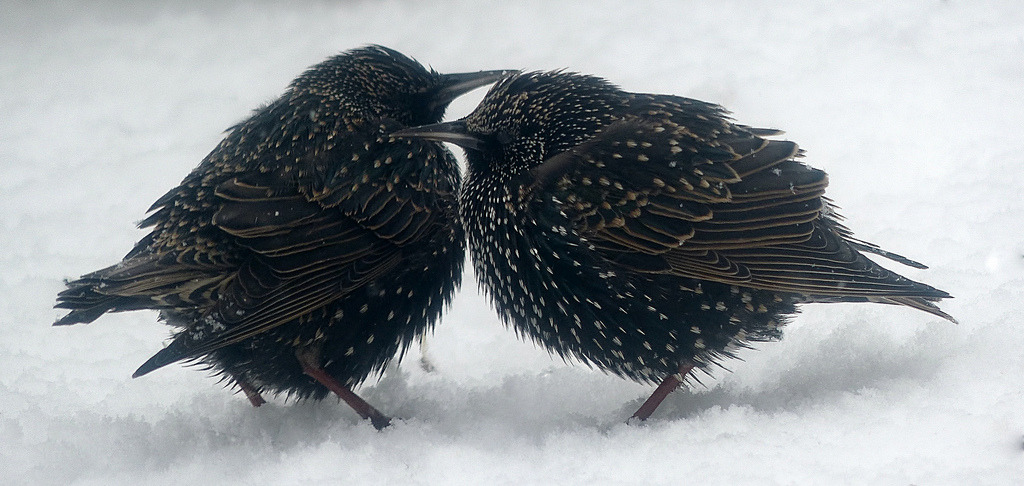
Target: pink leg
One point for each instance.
(365, 410)
(667, 386)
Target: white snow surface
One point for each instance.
(914, 108)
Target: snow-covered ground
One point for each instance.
(915, 108)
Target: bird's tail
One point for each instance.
(87, 298)
(139, 282)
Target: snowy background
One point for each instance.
(914, 108)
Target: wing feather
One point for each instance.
(721, 203)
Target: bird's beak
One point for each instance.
(458, 84)
(452, 132)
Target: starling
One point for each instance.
(309, 248)
(649, 235)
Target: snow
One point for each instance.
(913, 107)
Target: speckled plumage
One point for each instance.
(308, 241)
(649, 235)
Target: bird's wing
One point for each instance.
(399, 207)
(303, 256)
(726, 205)
(315, 231)
(646, 187)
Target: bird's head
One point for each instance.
(526, 118)
(378, 82)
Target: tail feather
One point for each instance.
(87, 299)
(83, 316)
(143, 281)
